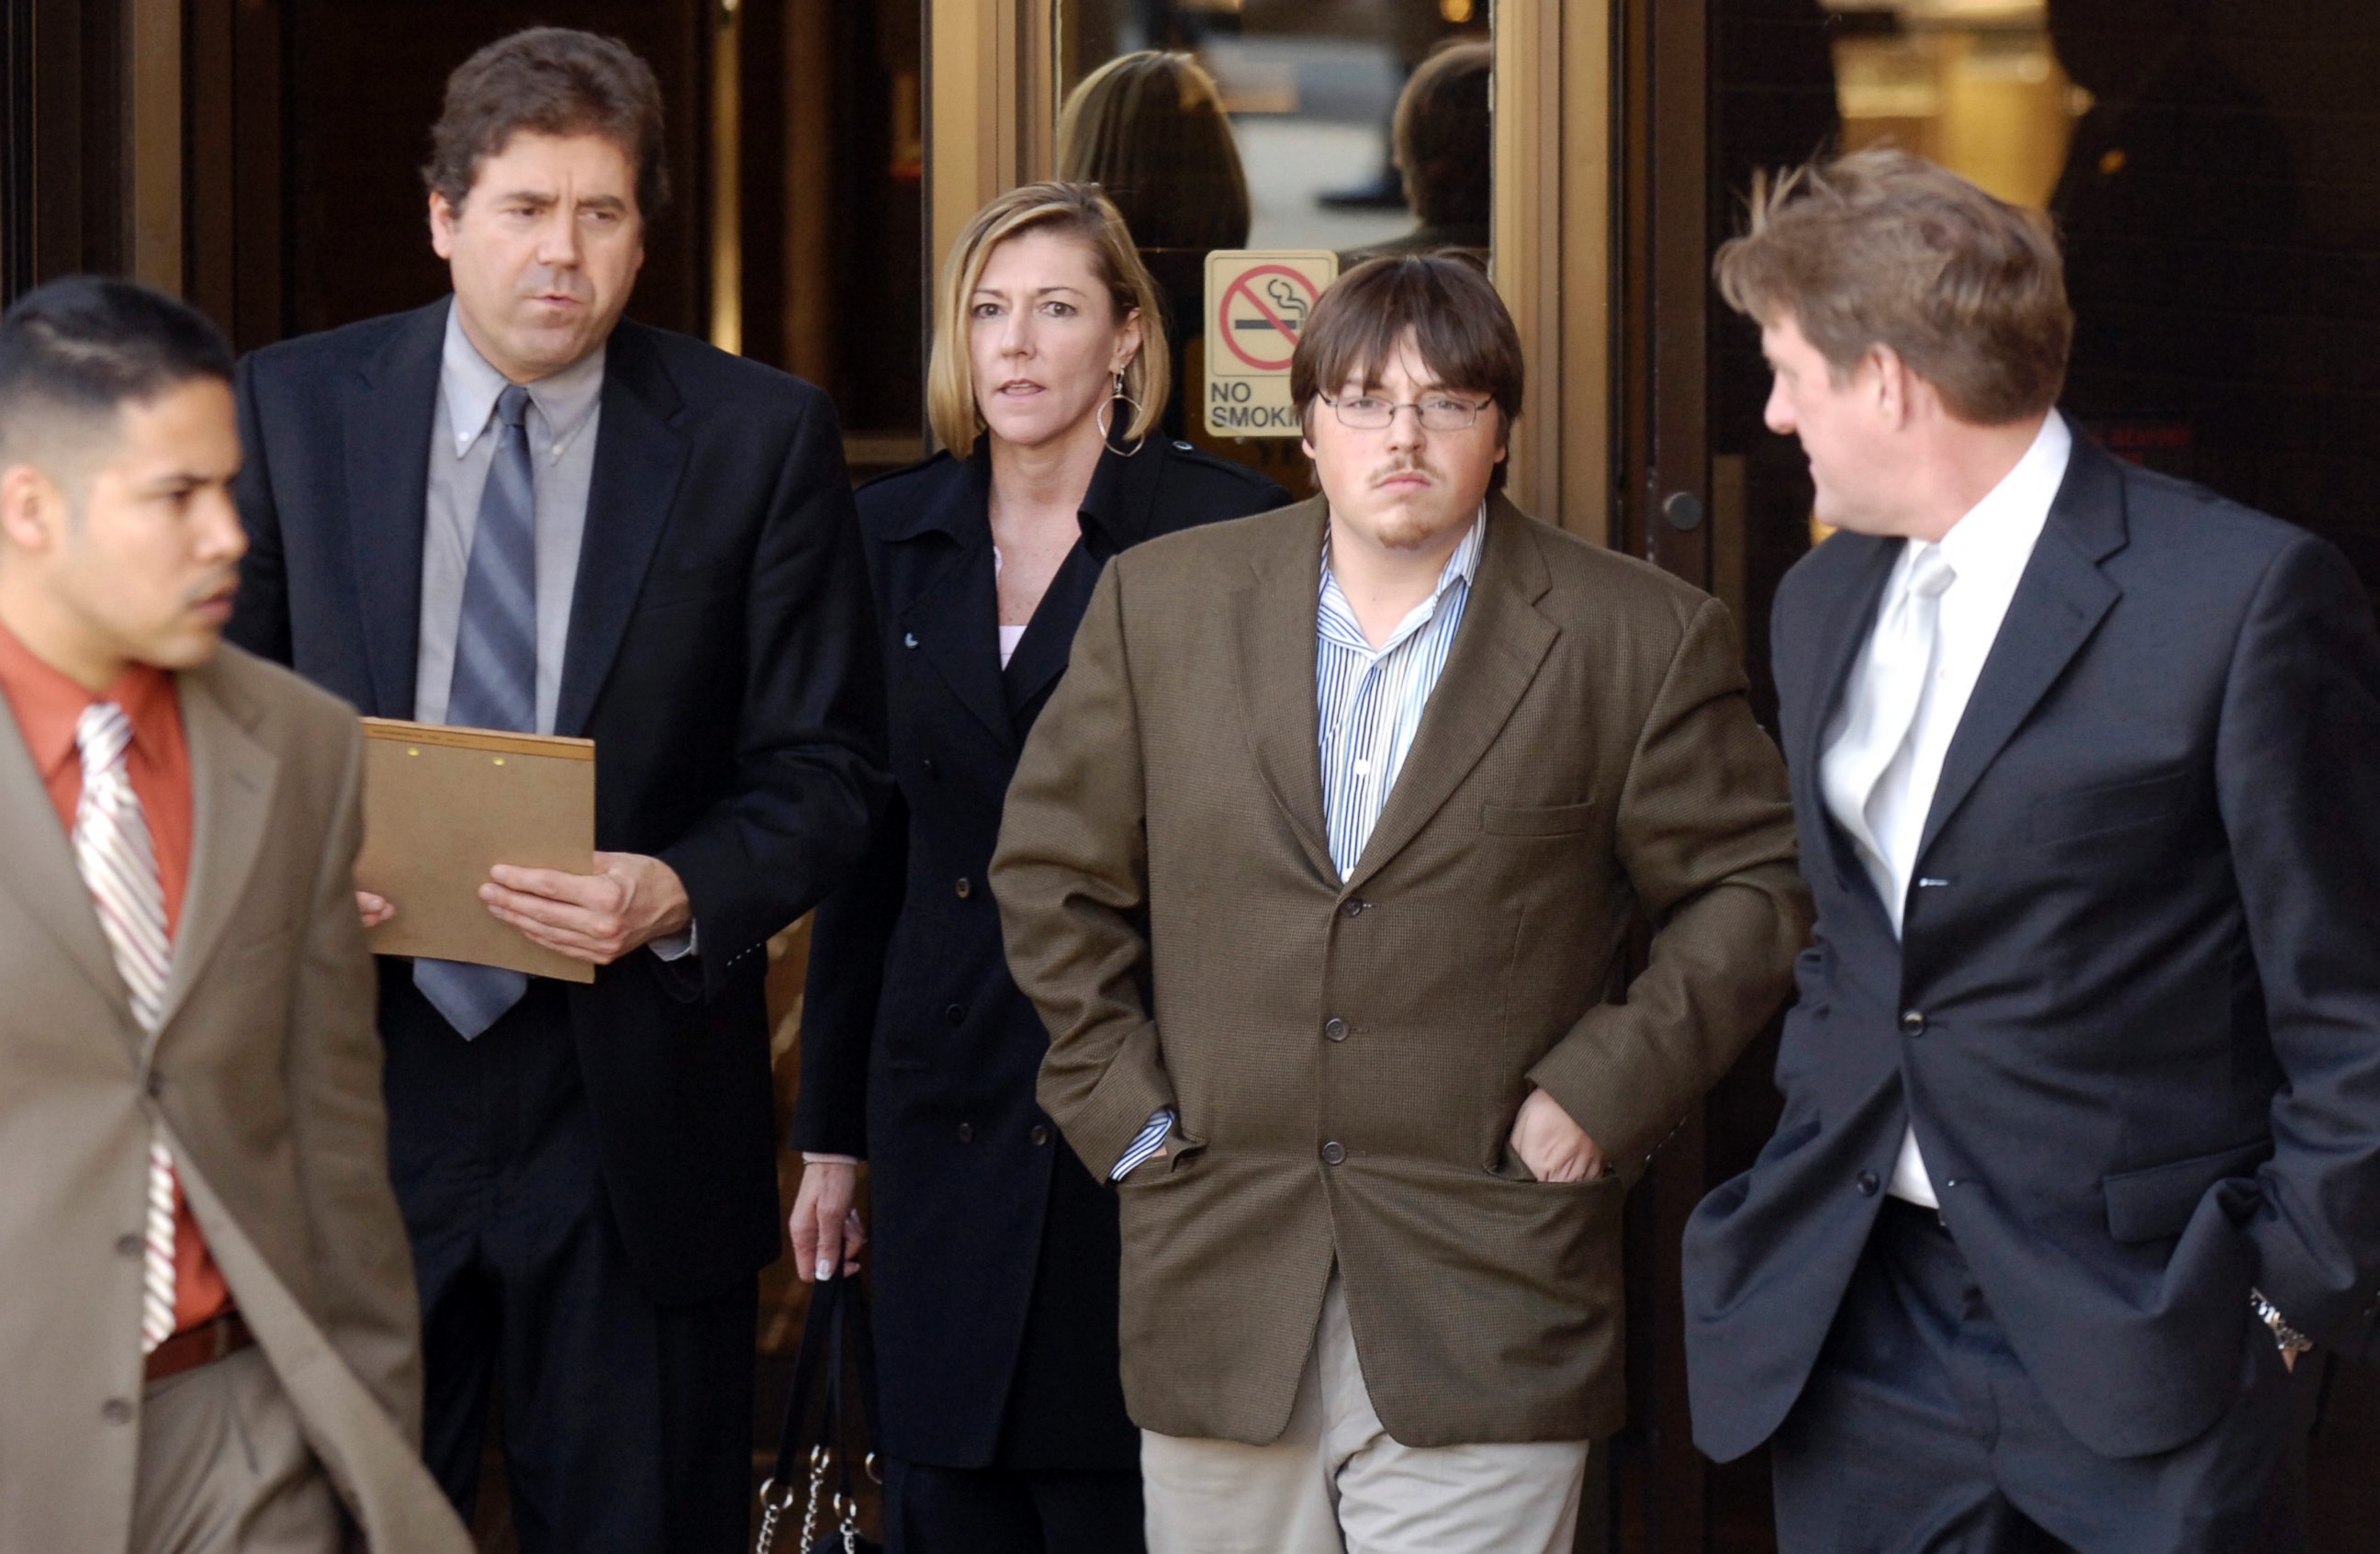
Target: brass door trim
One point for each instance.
(990, 109)
(991, 97)
(152, 138)
(1553, 253)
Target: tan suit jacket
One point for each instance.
(1347, 1058)
(266, 1076)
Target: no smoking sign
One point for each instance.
(1257, 302)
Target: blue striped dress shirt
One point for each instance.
(1368, 704)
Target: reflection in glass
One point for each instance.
(1309, 93)
(1444, 155)
(1148, 128)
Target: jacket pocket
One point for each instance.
(2116, 806)
(1536, 819)
(2158, 1201)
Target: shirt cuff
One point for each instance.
(1147, 1142)
(809, 1159)
(675, 946)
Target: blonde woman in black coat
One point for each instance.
(995, 1249)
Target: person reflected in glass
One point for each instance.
(1445, 154)
(1150, 130)
(2183, 229)
(995, 1250)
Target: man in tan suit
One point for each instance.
(207, 1318)
(1318, 868)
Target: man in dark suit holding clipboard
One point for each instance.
(511, 509)
(2081, 1147)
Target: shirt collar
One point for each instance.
(1996, 539)
(471, 385)
(1339, 617)
(48, 704)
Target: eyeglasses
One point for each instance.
(1438, 412)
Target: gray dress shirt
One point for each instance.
(562, 417)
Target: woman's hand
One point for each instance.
(826, 1228)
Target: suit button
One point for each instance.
(1913, 1022)
(1333, 1152)
(955, 1013)
(1353, 908)
(930, 769)
(965, 887)
(115, 1411)
(129, 1247)
(966, 1133)
(1336, 1029)
(1039, 1134)
(156, 1084)
(1867, 1183)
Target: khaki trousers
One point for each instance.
(224, 1468)
(1336, 1482)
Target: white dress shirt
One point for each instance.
(1987, 550)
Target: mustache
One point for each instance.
(1404, 466)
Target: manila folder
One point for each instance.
(441, 807)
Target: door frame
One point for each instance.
(992, 111)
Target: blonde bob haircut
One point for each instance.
(1078, 210)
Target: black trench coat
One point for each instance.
(995, 1249)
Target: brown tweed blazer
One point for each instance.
(1347, 1058)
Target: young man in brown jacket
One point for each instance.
(1318, 868)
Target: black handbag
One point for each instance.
(830, 1424)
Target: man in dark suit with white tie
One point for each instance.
(2081, 1145)
(512, 509)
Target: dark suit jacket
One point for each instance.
(994, 1250)
(1347, 1057)
(2136, 1010)
(721, 656)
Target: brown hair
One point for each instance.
(1880, 247)
(1148, 128)
(1459, 324)
(1077, 211)
(1443, 136)
(549, 80)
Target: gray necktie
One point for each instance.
(495, 674)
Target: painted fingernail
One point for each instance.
(825, 1269)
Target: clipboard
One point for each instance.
(441, 807)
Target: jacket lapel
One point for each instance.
(1049, 642)
(640, 456)
(1497, 651)
(2058, 605)
(955, 622)
(953, 619)
(40, 868)
(1116, 515)
(1847, 625)
(232, 780)
(1272, 635)
(387, 406)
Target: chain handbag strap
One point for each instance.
(816, 1373)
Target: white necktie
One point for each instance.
(120, 869)
(1884, 712)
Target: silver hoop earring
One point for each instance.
(1106, 420)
